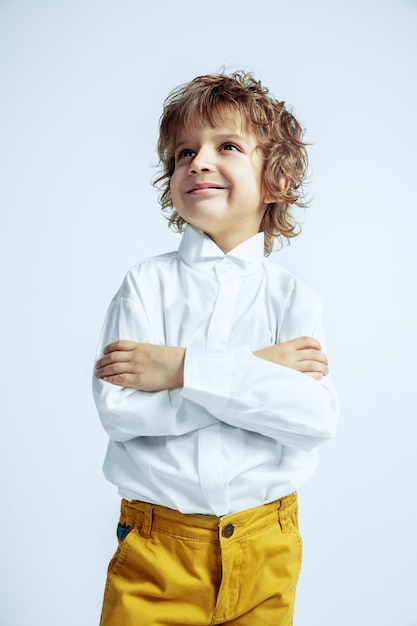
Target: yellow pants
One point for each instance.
(173, 569)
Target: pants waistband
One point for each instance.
(146, 517)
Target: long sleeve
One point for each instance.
(127, 413)
(254, 394)
(263, 397)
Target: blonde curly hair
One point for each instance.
(279, 134)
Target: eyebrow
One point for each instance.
(221, 137)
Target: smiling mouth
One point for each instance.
(204, 188)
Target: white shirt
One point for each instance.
(242, 431)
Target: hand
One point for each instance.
(142, 366)
(303, 354)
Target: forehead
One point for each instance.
(224, 119)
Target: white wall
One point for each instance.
(82, 84)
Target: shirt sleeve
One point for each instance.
(254, 394)
(128, 413)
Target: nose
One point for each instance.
(201, 162)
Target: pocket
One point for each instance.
(288, 521)
(288, 516)
(120, 555)
(122, 532)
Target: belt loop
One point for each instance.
(145, 531)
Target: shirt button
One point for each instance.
(223, 270)
(228, 531)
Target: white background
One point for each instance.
(82, 84)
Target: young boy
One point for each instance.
(211, 381)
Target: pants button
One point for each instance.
(228, 531)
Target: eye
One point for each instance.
(230, 147)
(184, 153)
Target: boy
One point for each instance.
(211, 381)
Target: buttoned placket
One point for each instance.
(210, 452)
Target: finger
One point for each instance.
(312, 366)
(311, 355)
(122, 344)
(315, 375)
(128, 380)
(320, 373)
(304, 343)
(121, 380)
(115, 369)
(113, 357)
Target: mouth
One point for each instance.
(198, 188)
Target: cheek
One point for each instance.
(173, 185)
(175, 191)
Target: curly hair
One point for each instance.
(280, 137)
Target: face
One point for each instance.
(217, 183)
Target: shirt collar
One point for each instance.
(197, 249)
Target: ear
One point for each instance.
(284, 184)
(268, 199)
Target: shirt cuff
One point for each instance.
(208, 377)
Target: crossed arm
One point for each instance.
(150, 367)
